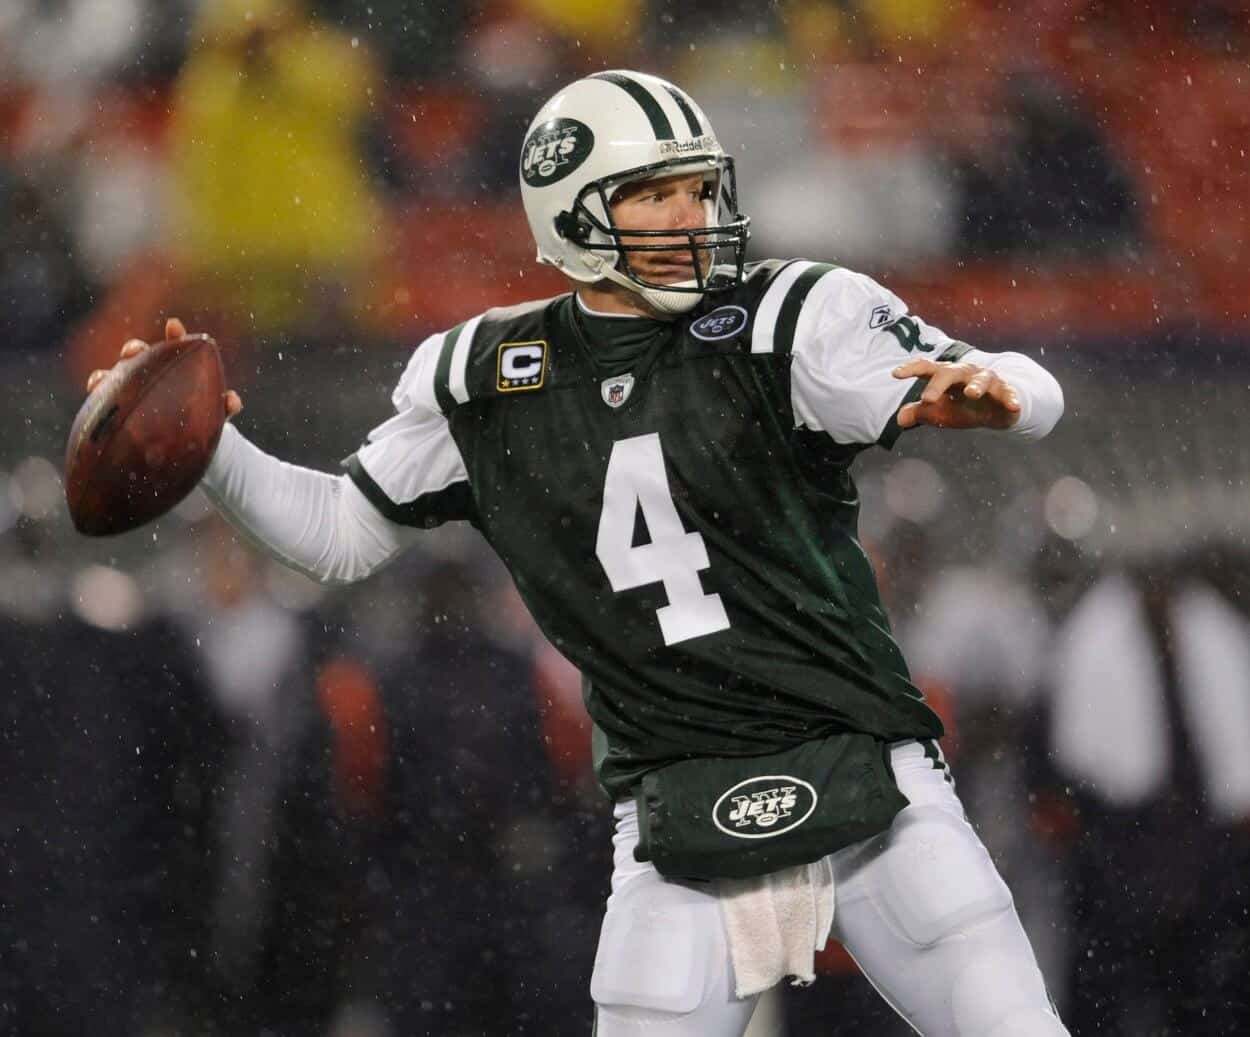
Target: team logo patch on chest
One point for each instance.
(522, 365)
(723, 322)
(615, 391)
(760, 808)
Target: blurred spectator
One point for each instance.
(275, 218)
(42, 282)
(418, 42)
(489, 932)
(1047, 186)
(287, 916)
(73, 45)
(1150, 730)
(110, 749)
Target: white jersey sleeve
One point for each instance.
(339, 529)
(316, 523)
(847, 333)
(410, 468)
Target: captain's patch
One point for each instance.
(522, 365)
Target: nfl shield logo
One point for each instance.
(616, 390)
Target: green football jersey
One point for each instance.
(683, 531)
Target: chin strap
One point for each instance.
(662, 299)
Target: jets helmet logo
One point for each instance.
(522, 365)
(760, 808)
(554, 150)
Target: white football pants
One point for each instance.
(920, 907)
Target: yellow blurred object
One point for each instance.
(817, 30)
(594, 22)
(916, 21)
(762, 64)
(221, 22)
(270, 190)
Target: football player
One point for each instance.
(662, 458)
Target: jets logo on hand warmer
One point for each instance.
(760, 808)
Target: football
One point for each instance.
(143, 439)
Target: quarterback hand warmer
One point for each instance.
(318, 524)
(1041, 399)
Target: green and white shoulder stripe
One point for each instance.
(410, 467)
(471, 354)
(846, 333)
(781, 306)
(450, 374)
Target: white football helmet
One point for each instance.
(614, 128)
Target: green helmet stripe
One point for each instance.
(650, 106)
(692, 120)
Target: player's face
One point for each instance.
(670, 202)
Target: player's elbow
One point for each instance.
(357, 546)
(1049, 404)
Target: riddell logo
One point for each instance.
(760, 808)
(554, 150)
(683, 147)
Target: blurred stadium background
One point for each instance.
(238, 803)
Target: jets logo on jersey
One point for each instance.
(760, 808)
(724, 322)
(522, 365)
(616, 390)
(554, 150)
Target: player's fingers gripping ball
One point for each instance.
(146, 432)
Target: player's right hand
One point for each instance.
(174, 328)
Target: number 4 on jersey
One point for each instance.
(636, 479)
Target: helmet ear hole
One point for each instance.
(571, 228)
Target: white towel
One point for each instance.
(776, 923)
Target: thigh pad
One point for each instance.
(934, 876)
(658, 946)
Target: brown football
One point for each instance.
(143, 438)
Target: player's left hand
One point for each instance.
(958, 396)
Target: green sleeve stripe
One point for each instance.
(955, 351)
(449, 504)
(792, 306)
(935, 757)
(891, 432)
(442, 371)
